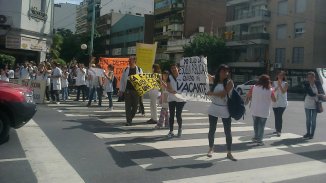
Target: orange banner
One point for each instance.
(119, 65)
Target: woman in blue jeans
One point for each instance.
(313, 91)
(219, 109)
(261, 96)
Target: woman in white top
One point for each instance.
(313, 92)
(261, 96)
(109, 86)
(4, 75)
(280, 89)
(176, 102)
(219, 109)
(81, 81)
(64, 83)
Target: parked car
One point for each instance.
(244, 88)
(16, 107)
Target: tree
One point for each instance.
(7, 60)
(57, 41)
(211, 46)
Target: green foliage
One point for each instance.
(60, 61)
(165, 64)
(7, 60)
(211, 46)
(57, 41)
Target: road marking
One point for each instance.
(13, 159)
(169, 144)
(48, 164)
(128, 134)
(143, 119)
(151, 126)
(267, 174)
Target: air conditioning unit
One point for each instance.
(277, 65)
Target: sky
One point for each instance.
(68, 1)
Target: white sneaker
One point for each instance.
(110, 109)
(57, 102)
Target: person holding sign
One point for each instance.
(219, 108)
(128, 90)
(153, 94)
(176, 102)
(313, 91)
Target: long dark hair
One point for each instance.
(217, 76)
(280, 72)
(264, 81)
(156, 68)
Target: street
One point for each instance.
(71, 143)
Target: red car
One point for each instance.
(16, 108)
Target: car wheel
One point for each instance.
(239, 90)
(4, 128)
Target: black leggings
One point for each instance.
(212, 130)
(176, 108)
(278, 113)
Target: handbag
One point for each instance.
(319, 107)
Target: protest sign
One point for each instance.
(119, 65)
(38, 87)
(322, 77)
(145, 82)
(193, 82)
(145, 54)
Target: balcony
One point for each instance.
(161, 49)
(161, 36)
(249, 39)
(233, 2)
(162, 22)
(250, 17)
(176, 46)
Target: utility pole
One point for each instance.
(92, 34)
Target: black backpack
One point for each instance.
(236, 104)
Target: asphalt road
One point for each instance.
(72, 143)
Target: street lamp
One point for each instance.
(83, 46)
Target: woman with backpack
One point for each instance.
(261, 96)
(280, 89)
(222, 85)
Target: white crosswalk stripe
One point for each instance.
(139, 140)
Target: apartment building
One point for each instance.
(81, 17)
(64, 16)
(26, 29)
(268, 35)
(177, 20)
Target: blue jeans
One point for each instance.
(259, 126)
(311, 116)
(64, 93)
(110, 99)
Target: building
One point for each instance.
(247, 23)
(81, 18)
(177, 20)
(266, 36)
(297, 37)
(64, 16)
(26, 29)
(133, 7)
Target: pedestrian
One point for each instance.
(314, 92)
(141, 108)
(64, 83)
(25, 71)
(95, 85)
(164, 114)
(81, 81)
(280, 89)
(261, 96)
(128, 90)
(176, 102)
(153, 95)
(109, 77)
(55, 83)
(4, 76)
(218, 108)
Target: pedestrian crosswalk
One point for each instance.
(281, 159)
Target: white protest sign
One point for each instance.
(322, 77)
(38, 87)
(193, 82)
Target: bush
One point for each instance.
(60, 61)
(7, 60)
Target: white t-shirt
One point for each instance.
(281, 98)
(310, 102)
(64, 81)
(24, 73)
(3, 77)
(261, 101)
(108, 83)
(11, 74)
(219, 106)
(81, 77)
(174, 97)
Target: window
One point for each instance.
(280, 55)
(300, 6)
(299, 29)
(281, 32)
(298, 55)
(282, 8)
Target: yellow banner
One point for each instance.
(145, 54)
(145, 82)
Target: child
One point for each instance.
(164, 114)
